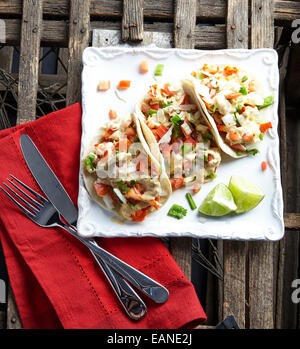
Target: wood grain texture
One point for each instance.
(262, 23)
(185, 21)
(261, 253)
(181, 250)
(13, 317)
(29, 60)
(133, 21)
(208, 10)
(78, 41)
(234, 252)
(237, 24)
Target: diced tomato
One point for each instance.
(140, 215)
(208, 106)
(233, 95)
(210, 157)
(101, 189)
(155, 203)
(145, 109)
(134, 194)
(130, 132)
(176, 182)
(124, 84)
(238, 147)
(112, 114)
(263, 165)
(248, 138)
(230, 70)
(264, 127)
(196, 188)
(144, 68)
(141, 166)
(104, 85)
(155, 106)
(183, 99)
(234, 136)
(166, 91)
(242, 110)
(108, 133)
(161, 131)
(222, 128)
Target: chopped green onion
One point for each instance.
(152, 111)
(117, 151)
(159, 69)
(205, 158)
(212, 175)
(243, 91)
(239, 108)
(165, 105)
(261, 136)
(245, 78)
(177, 211)
(131, 205)
(239, 152)
(191, 201)
(252, 151)
(176, 131)
(200, 76)
(123, 187)
(267, 102)
(207, 136)
(177, 120)
(214, 108)
(133, 183)
(236, 120)
(89, 165)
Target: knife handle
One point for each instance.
(144, 283)
(132, 303)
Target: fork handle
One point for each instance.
(132, 303)
(144, 283)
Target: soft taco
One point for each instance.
(121, 174)
(233, 104)
(173, 124)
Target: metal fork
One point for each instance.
(44, 214)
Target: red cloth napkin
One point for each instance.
(55, 280)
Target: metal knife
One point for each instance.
(133, 305)
(50, 184)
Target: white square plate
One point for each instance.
(265, 222)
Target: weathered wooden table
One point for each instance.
(256, 275)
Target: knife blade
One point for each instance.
(47, 180)
(57, 195)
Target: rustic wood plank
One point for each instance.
(292, 221)
(185, 21)
(13, 317)
(262, 23)
(181, 250)
(133, 21)
(78, 40)
(208, 10)
(6, 58)
(55, 33)
(261, 253)
(237, 24)
(29, 59)
(234, 252)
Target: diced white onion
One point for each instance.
(120, 195)
(229, 120)
(186, 129)
(167, 136)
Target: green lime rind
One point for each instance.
(246, 194)
(219, 202)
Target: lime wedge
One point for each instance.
(218, 202)
(247, 195)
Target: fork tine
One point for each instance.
(28, 213)
(22, 199)
(25, 194)
(34, 193)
